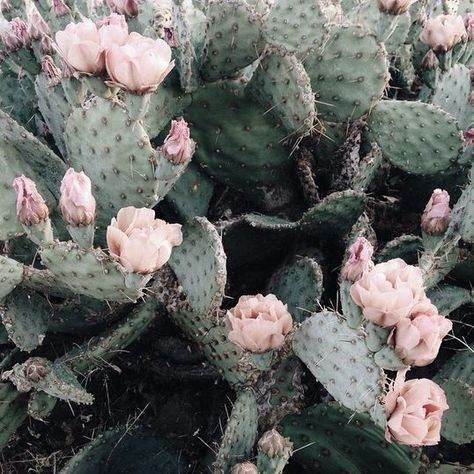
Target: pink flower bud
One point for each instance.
(141, 243)
(140, 65)
(273, 443)
(244, 468)
(178, 146)
(469, 25)
(359, 261)
(259, 323)
(46, 45)
(417, 339)
(51, 70)
(430, 61)
(414, 410)
(436, 216)
(394, 7)
(469, 137)
(124, 7)
(30, 206)
(443, 32)
(17, 37)
(38, 28)
(76, 202)
(60, 8)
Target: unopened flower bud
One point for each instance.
(76, 202)
(178, 146)
(436, 216)
(430, 61)
(60, 8)
(273, 443)
(30, 206)
(124, 7)
(360, 260)
(51, 70)
(469, 137)
(394, 7)
(244, 468)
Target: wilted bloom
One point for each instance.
(395, 7)
(417, 339)
(51, 70)
(35, 369)
(244, 468)
(5, 6)
(178, 146)
(76, 202)
(60, 8)
(430, 61)
(259, 323)
(436, 216)
(17, 37)
(37, 27)
(414, 410)
(443, 32)
(124, 7)
(141, 243)
(140, 65)
(388, 292)
(30, 206)
(273, 443)
(360, 259)
(469, 137)
(113, 30)
(469, 25)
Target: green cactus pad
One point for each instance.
(415, 137)
(295, 26)
(335, 214)
(283, 87)
(376, 336)
(448, 298)
(369, 166)
(11, 274)
(348, 73)
(240, 433)
(299, 284)
(22, 153)
(92, 272)
(58, 381)
(452, 91)
(40, 405)
(330, 438)
(13, 412)
(237, 143)
(338, 357)
(388, 359)
(450, 469)
(25, 317)
(120, 451)
(351, 311)
(233, 38)
(406, 247)
(463, 212)
(199, 264)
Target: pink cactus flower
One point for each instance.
(417, 339)
(394, 7)
(140, 65)
(436, 216)
(388, 292)
(60, 8)
(31, 208)
(51, 70)
(469, 137)
(17, 37)
(360, 260)
(124, 7)
(141, 243)
(113, 30)
(443, 32)
(38, 28)
(469, 25)
(414, 411)
(178, 146)
(259, 323)
(76, 202)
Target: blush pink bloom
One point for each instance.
(394, 7)
(113, 30)
(259, 323)
(60, 8)
(388, 292)
(417, 339)
(141, 243)
(443, 32)
(414, 410)
(436, 216)
(76, 202)
(140, 65)
(360, 260)
(30, 206)
(17, 37)
(178, 146)
(124, 7)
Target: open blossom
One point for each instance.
(17, 37)
(140, 65)
(395, 7)
(141, 243)
(417, 339)
(178, 146)
(414, 410)
(76, 202)
(360, 259)
(388, 292)
(436, 216)
(124, 7)
(443, 32)
(30, 205)
(259, 323)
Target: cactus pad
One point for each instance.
(11, 274)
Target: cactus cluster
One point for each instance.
(280, 189)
